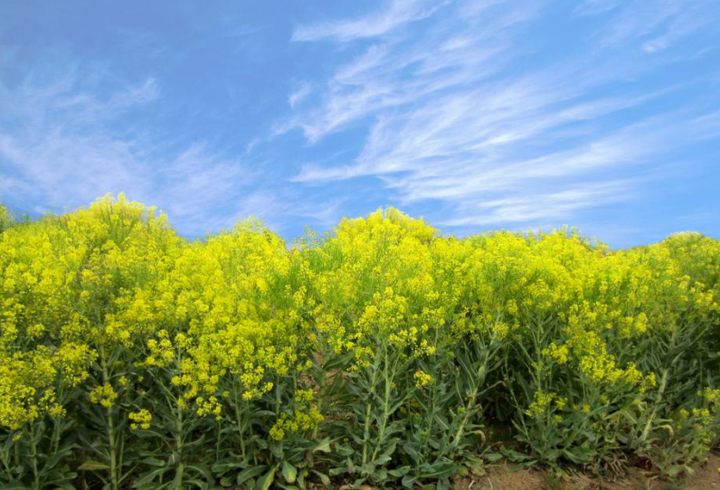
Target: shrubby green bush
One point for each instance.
(383, 353)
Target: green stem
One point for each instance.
(219, 440)
(55, 444)
(240, 422)
(388, 377)
(466, 416)
(661, 392)
(113, 451)
(121, 455)
(33, 445)
(663, 384)
(368, 411)
(320, 396)
(179, 449)
(17, 453)
(6, 464)
(430, 416)
(366, 432)
(110, 426)
(477, 380)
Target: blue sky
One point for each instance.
(477, 114)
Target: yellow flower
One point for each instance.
(422, 379)
(140, 419)
(104, 395)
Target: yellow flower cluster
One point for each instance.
(305, 417)
(422, 379)
(161, 352)
(104, 395)
(26, 391)
(559, 353)
(540, 404)
(298, 421)
(211, 406)
(140, 419)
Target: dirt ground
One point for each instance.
(507, 477)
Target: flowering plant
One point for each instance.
(383, 353)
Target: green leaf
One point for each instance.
(64, 483)
(153, 461)
(14, 485)
(289, 472)
(92, 465)
(439, 469)
(222, 467)
(387, 454)
(515, 456)
(202, 469)
(411, 450)
(248, 473)
(493, 457)
(323, 446)
(323, 478)
(402, 471)
(148, 477)
(408, 481)
(266, 481)
(443, 484)
(579, 455)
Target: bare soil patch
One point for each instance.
(505, 476)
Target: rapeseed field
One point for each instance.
(383, 353)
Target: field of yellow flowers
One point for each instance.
(381, 354)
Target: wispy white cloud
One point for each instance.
(594, 7)
(279, 208)
(399, 13)
(302, 91)
(56, 143)
(461, 115)
(65, 143)
(652, 26)
(538, 208)
(198, 182)
(498, 188)
(394, 74)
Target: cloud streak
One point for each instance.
(64, 144)
(400, 12)
(463, 116)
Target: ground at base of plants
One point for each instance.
(506, 476)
